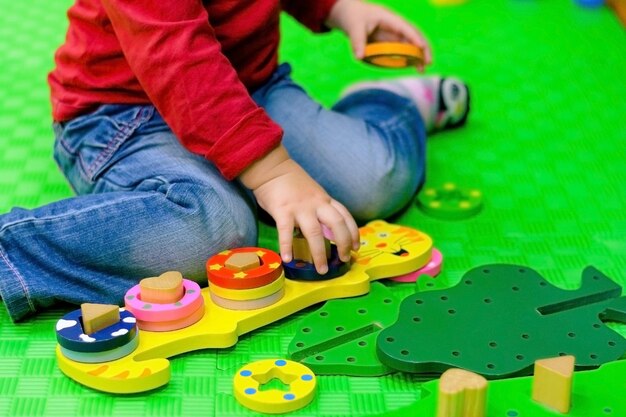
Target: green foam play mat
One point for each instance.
(545, 144)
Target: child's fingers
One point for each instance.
(358, 39)
(285, 237)
(312, 230)
(353, 229)
(330, 217)
(395, 23)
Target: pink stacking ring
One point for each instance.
(432, 268)
(191, 301)
(168, 326)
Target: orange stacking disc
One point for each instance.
(270, 269)
(393, 54)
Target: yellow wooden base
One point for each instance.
(146, 368)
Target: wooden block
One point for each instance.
(301, 249)
(167, 288)
(552, 383)
(242, 261)
(98, 316)
(461, 394)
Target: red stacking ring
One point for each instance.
(270, 270)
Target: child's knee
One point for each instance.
(222, 225)
(384, 197)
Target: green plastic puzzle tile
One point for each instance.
(544, 142)
(450, 202)
(340, 337)
(595, 393)
(501, 318)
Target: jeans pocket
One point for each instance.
(85, 147)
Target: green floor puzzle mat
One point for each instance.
(545, 144)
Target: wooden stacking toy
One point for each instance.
(387, 250)
(245, 278)
(301, 267)
(97, 333)
(165, 303)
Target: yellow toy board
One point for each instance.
(387, 250)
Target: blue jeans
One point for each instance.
(146, 205)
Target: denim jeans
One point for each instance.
(145, 205)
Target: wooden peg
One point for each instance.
(552, 383)
(301, 249)
(98, 316)
(242, 261)
(461, 394)
(167, 288)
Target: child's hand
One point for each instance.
(294, 199)
(365, 22)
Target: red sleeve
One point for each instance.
(311, 13)
(172, 50)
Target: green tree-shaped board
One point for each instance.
(340, 337)
(499, 319)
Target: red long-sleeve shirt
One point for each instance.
(196, 61)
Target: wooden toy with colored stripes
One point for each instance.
(387, 250)
(245, 278)
(114, 335)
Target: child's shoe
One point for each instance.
(443, 102)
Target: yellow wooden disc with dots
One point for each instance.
(248, 383)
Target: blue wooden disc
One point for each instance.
(305, 271)
(71, 336)
(104, 356)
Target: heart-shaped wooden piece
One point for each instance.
(167, 288)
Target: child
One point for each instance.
(173, 120)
